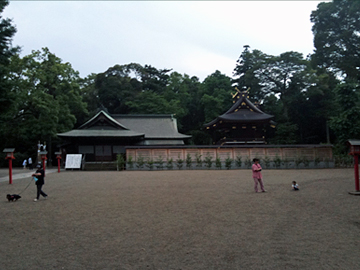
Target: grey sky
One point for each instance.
(192, 37)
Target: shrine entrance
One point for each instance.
(103, 153)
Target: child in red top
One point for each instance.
(257, 176)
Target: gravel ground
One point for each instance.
(206, 219)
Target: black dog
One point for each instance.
(13, 197)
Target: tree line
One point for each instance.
(314, 98)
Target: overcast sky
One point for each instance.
(192, 37)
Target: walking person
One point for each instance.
(30, 163)
(39, 182)
(24, 164)
(257, 176)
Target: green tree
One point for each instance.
(117, 86)
(153, 79)
(148, 102)
(346, 123)
(185, 91)
(47, 100)
(290, 79)
(7, 97)
(336, 28)
(216, 95)
(244, 73)
(89, 94)
(285, 76)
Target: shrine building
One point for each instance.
(104, 136)
(243, 123)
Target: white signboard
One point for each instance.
(73, 161)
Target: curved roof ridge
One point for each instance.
(242, 110)
(243, 98)
(112, 120)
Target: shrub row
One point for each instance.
(210, 162)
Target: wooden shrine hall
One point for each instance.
(104, 136)
(243, 123)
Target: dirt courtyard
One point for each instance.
(205, 219)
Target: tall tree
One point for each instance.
(47, 100)
(336, 32)
(7, 31)
(89, 94)
(285, 76)
(118, 87)
(216, 95)
(346, 122)
(244, 73)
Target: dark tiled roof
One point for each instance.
(243, 111)
(245, 116)
(153, 126)
(100, 133)
(157, 126)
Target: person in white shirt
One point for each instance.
(295, 186)
(30, 163)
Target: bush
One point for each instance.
(150, 163)
(179, 162)
(306, 162)
(277, 161)
(238, 161)
(228, 162)
(208, 161)
(298, 161)
(120, 162)
(198, 160)
(344, 161)
(286, 162)
(140, 162)
(267, 161)
(248, 163)
(188, 161)
(160, 163)
(218, 162)
(130, 162)
(169, 164)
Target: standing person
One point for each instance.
(30, 163)
(24, 163)
(40, 175)
(257, 176)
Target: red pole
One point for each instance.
(44, 165)
(58, 165)
(10, 171)
(356, 167)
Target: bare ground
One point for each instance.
(205, 219)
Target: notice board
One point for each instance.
(73, 161)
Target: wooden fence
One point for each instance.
(289, 153)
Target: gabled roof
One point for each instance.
(154, 126)
(243, 111)
(101, 116)
(102, 125)
(149, 126)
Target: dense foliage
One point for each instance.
(314, 99)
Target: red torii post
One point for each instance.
(10, 156)
(355, 151)
(58, 157)
(43, 158)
